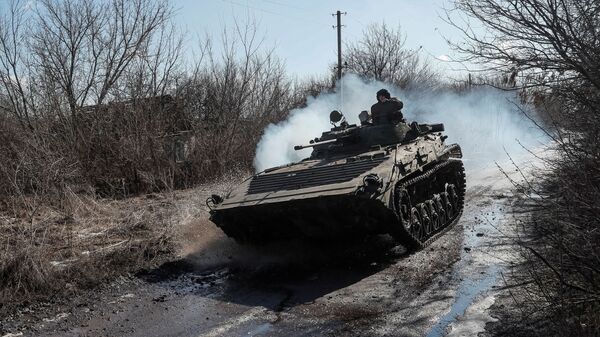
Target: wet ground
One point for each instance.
(352, 289)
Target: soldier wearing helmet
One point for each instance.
(387, 110)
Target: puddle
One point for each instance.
(477, 272)
(261, 329)
(468, 291)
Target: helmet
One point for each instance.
(384, 93)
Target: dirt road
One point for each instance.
(372, 288)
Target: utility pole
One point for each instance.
(339, 42)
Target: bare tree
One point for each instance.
(234, 95)
(85, 46)
(13, 64)
(62, 61)
(549, 41)
(381, 54)
(158, 67)
(554, 47)
(110, 92)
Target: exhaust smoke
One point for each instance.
(486, 122)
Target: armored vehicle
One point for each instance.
(396, 179)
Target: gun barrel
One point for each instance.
(300, 147)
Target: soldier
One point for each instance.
(387, 109)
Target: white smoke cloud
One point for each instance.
(486, 122)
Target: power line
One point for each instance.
(288, 6)
(358, 21)
(271, 12)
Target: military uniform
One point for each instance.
(387, 112)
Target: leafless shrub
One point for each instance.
(30, 170)
(545, 42)
(231, 98)
(312, 87)
(62, 140)
(551, 48)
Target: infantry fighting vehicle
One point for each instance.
(400, 179)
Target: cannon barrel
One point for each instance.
(300, 147)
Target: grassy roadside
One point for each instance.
(55, 253)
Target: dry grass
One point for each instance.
(53, 252)
(45, 251)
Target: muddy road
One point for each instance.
(369, 288)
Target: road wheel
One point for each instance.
(404, 208)
(439, 208)
(453, 196)
(416, 224)
(425, 220)
(433, 215)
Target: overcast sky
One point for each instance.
(302, 33)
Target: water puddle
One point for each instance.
(468, 291)
(478, 271)
(261, 329)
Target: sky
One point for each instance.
(302, 35)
